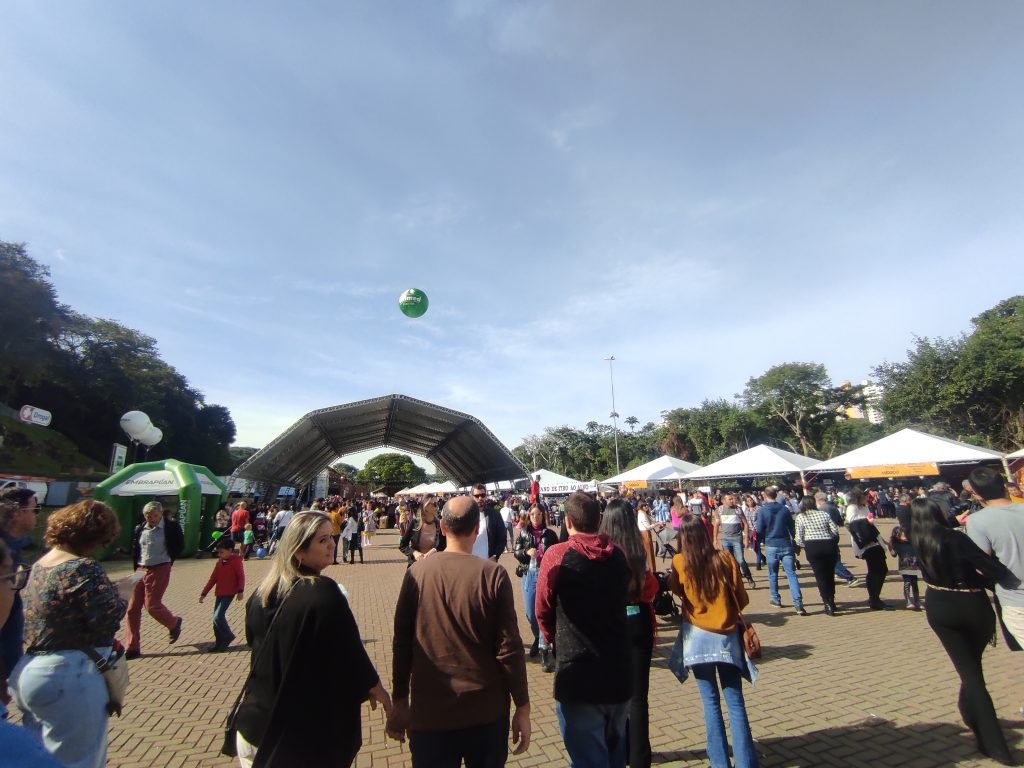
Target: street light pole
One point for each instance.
(615, 416)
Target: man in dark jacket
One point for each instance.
(775, 527)
(156, 543)
(581, 606)
(490, 541)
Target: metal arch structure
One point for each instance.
(458, 444)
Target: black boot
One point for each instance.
(535, 648)
(547, 660)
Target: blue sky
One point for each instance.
(701, 189)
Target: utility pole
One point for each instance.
(615, 416)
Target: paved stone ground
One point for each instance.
(862, 689)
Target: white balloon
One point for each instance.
(151, 436)
(135, 423)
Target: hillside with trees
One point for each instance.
(89, 371)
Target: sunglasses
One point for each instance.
(19, 577)
(479, 495)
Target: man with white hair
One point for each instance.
(156, 544)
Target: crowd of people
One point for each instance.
(458, 687)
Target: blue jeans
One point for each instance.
(775, 555)
(64, 702)
(594, 734)
(221, 631)
(530, 599)
(734, 546)
(743, 750)
(842, 571)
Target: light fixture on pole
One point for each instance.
(615, 416)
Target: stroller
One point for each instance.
(664, 602)
(664, 542)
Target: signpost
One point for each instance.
(32, 415)
(117, 457)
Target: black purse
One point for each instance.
(230, 745)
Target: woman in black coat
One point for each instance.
(957, 573)
(310, 671)
(529, 549)
(424, 536)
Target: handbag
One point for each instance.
(521, 570)
(751, 642)
(230, 745)
(114, 669)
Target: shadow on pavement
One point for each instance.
(879, 742)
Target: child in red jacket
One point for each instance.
(229, 578)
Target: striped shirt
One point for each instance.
(815, 525)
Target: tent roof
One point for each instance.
(908, 446)
(547, 477)
(759, 461)
(458, 444)
(1016, 454)
(662, 468)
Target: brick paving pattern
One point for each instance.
(862, 689)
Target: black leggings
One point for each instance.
(874, 557)
(823, 556)
(641, 641)
(965, 623)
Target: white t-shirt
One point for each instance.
(643, 521)
(283, 518)
(506, 514)
(480, 545)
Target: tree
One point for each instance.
(391, 469)
(968, 388)
(30, 316)
(801, 397)
(631, 422)
(342, 468)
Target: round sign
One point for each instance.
(413, 302)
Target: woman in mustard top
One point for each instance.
(711, 587)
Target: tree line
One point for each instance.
(88, 371)
(968, 388)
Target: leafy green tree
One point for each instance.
(347, 470)
(631, 422)
(89, 371)
(395, 469)
(970, 387)
(31, 318)
(800, 397)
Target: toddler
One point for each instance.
(227, 581)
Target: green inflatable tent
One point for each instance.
(190, 491)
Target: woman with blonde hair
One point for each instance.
(70, 606)
(424, 537)
(300, 706)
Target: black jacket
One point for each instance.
(525, 541)
(303, 706)
(174, 540)
(495, 531)
(411, 539)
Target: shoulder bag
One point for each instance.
(114, 669)
(751, 642)
(230, 747)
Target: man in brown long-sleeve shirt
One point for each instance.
(457, 647)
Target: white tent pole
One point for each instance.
(1006, 468)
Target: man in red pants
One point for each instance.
(156, 544)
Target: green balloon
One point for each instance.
(413, 302)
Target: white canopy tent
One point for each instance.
(906, 453)
(552, 483)
(759, 461)
(415, 490)
(1016, 454)
(663, 468)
